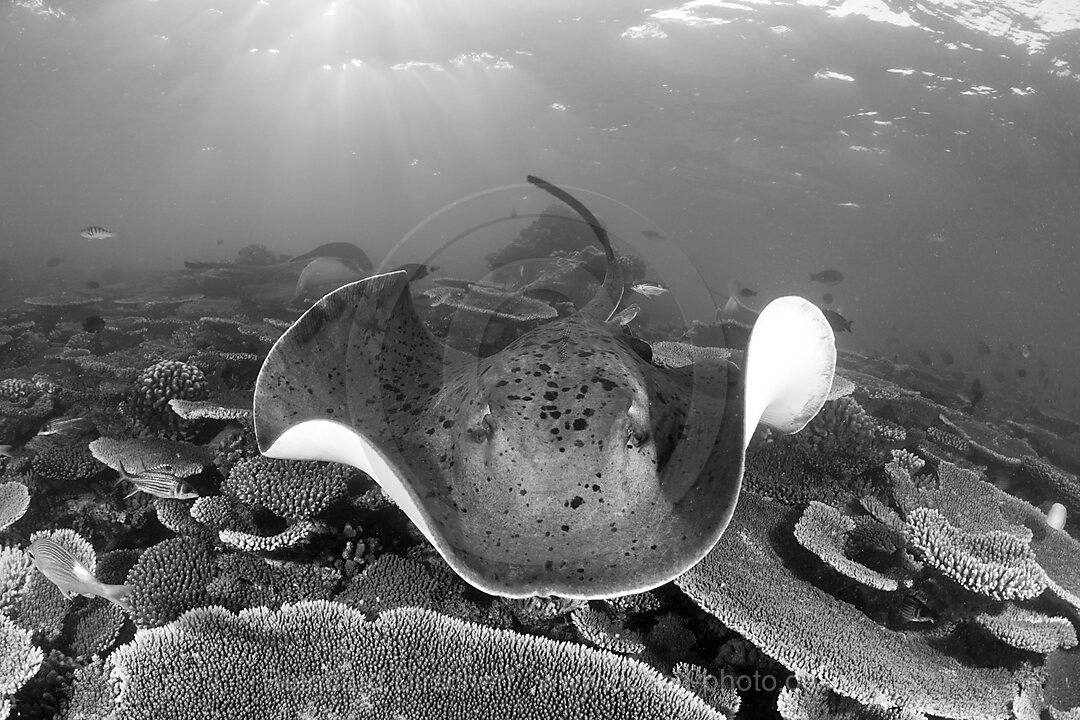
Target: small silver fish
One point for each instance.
(158, 481)
(95, 232)
(65, 426)
(1025, 350)
(625, 316)
(64, 570)
(649, 289)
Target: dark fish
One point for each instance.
(96, 232)
(651, 234)
(913, 609)
(983, 349)
(93, 284)
(53, 261)
(946, 357)
(747, 292)
(344, 250)
(221, 241)
(829, 277)
(977, 392)
(838, 322)
(1021, 373)
(827, 298)
(93, 324)
(924, 358)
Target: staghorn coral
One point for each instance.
(292, 489)
(321, 659)
(745, 583)
(909, 462)
(823, 530)
(1026, 629)
(16, 570)
(888, 432)
(996, 564)
(156, 386)
(14, 500)
(233, 447)
(169, 579)
(19, 660)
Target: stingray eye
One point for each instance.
(484, 429)
(637, 425)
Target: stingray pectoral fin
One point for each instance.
(332, 441)
(347, 379)
(790, 364)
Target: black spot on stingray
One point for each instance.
(580, 424)
(595, 487)
(577, 502)
(545, 367)
(565, 528)
(550, 395)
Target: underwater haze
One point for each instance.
(181, 181)
(928, 151)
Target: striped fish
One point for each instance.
(63, 569)
(95, 232)
(158, 481)
(913, 609)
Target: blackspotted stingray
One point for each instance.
(566, 463)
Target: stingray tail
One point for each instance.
(790, 364)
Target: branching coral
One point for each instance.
(745, 583)
(717, 694)
(204, 409)
(1063, 486)
(843, 428)
(156, 386)
(248, 581)
(320, 659)
(392, 581)
(296, 534)
(169, 579)
(72, 463)
(292, 489)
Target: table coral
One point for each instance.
(823, 530)
(321, 659)
(19, 660)
(996, 564)
(745, 582)
(1027, 629)
(14, 500)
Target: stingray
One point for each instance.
(565, 464)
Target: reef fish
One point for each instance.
(96, 232)
(838, 322)
(648, 289)
(747, 292)
(158, 481)
(56, 562)
(563, 464)
(829, 277)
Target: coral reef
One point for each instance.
(169, 579)
(408, 662)
(155, 387)
(294, 490)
